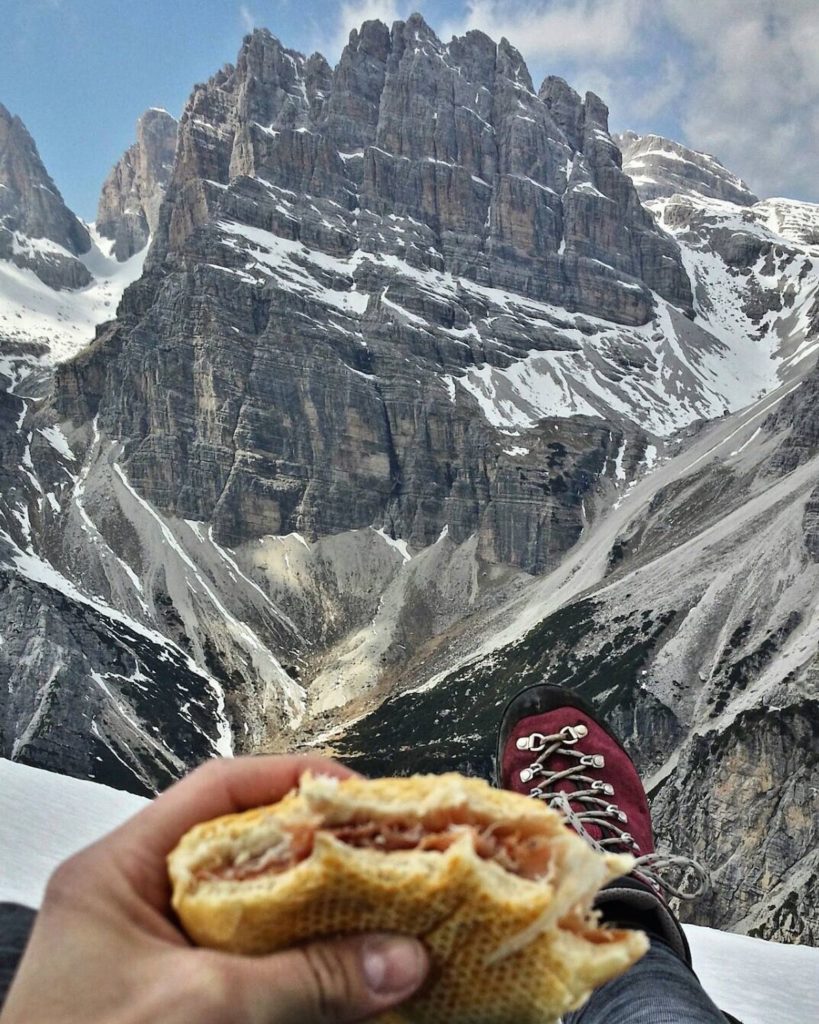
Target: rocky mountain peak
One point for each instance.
(416, 30)
(595, 112)
(510, 64)
(401, 94)
(660, 167)
(37, 230)
(128, 209)
(565, 106)
(373, 38)
(30, 202)
(48, 260)
(270, 82)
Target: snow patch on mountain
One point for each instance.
(661, 376)
(58, 441)
(394, 542)
(268, 254)
(62, 321)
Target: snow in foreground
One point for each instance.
(46, 817)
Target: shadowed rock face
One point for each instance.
(796, 420)
(335, 248)
(98, 681)
(33, 214)
(128, 209)
(750, 806)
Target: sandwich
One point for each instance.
(496, 886)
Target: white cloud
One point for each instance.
(586, 29)
(752, 94)
(246, 18)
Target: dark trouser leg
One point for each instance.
(659, 989)
(15, 926)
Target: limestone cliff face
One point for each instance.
(128, 210)
(37, 230)
(750, 806)
(452, 136)
(334, 250)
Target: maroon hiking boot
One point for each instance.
(552, 747)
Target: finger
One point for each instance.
(221, 786)
(331, 981)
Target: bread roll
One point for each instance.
(494, 884)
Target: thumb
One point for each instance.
(333, 981)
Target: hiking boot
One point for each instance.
(552, 747)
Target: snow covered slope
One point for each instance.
(54, 324)
(44, 818)
(759, 982)
(755, 275)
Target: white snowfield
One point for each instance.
(44, 818)
(63, 320)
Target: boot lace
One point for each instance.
(598, 808)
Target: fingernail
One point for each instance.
(393, 964)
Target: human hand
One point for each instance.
(105, 946)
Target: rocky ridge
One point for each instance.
(661, 168)
(57, 278)
(37, 230)
(128, 211)
(336, 250)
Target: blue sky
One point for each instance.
(738, 78)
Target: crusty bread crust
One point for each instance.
(503, 947)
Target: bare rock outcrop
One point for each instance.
(128, 210)
(661, 167)
(334, 250)
(37, 230)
